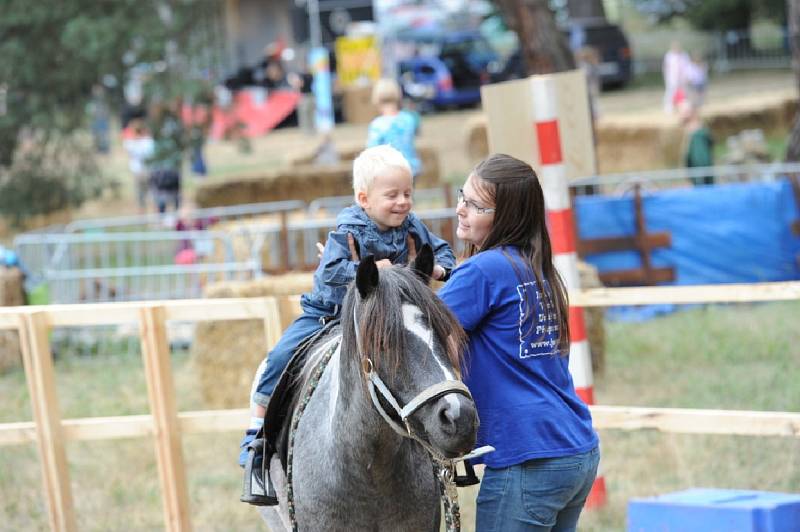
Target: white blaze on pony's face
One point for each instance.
(414, 322)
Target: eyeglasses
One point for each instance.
(472, 206)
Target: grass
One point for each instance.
(724, 357)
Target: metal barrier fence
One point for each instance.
(148, 221)
(725, 51)
(622, 183)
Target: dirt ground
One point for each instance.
(444, 130)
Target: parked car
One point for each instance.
(448, 68)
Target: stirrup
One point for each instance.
(258, 489)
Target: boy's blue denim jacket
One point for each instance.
(336, 268)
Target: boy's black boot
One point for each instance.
(258, 489)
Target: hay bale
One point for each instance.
(594, 318)
(11, 291)
(305, 183)
(11, 295)
(225, 354)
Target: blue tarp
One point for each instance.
(733, 233)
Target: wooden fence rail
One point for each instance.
(166, 425)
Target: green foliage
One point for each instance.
(51, 54)
(716, 14)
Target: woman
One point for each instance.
(513, 305)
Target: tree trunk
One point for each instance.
(793, 15)
(543, 47)
(583, 9)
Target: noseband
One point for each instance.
(377, 386)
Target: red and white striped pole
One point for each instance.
(561, 223)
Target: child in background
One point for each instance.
(380, 223)
(140, 149)
(394, 126)
(699, 145)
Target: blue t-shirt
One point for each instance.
(522, 387)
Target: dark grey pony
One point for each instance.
(350, 469)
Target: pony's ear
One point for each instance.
(367, 276)
(423, 263)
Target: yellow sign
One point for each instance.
(357, 59)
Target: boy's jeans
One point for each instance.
(279, 357)
(539, 495)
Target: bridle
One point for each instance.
(377, 387)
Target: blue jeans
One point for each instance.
(539, 495)
(279, 357)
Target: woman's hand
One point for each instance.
(383, 263)
(438, 272)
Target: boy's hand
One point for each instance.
(438, 272)
(383, 263)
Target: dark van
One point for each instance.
(613, 49)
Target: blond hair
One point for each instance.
(386, 90)
(374, 161)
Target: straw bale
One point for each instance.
(11, 295)
(594, 318)
(11, 291)
(302, 180)
(225, 354)
(631, 143)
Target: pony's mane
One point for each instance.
(382, 330)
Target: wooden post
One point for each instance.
(284, 244)
(38, 362)
(161, 394)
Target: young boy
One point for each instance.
(380, 223)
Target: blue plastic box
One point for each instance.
(716, 510)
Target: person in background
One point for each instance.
(699, 145)
(202, 117)
(697, 79)
(100, 114)
(139, 147)
(674, 70)
(512, 303)
(395, 127)
(167, 159)
(302, 83)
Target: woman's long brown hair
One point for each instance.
(519, 221)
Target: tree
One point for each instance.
(543, 47)
(717, 15)
(51, 55)
(793, 10)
